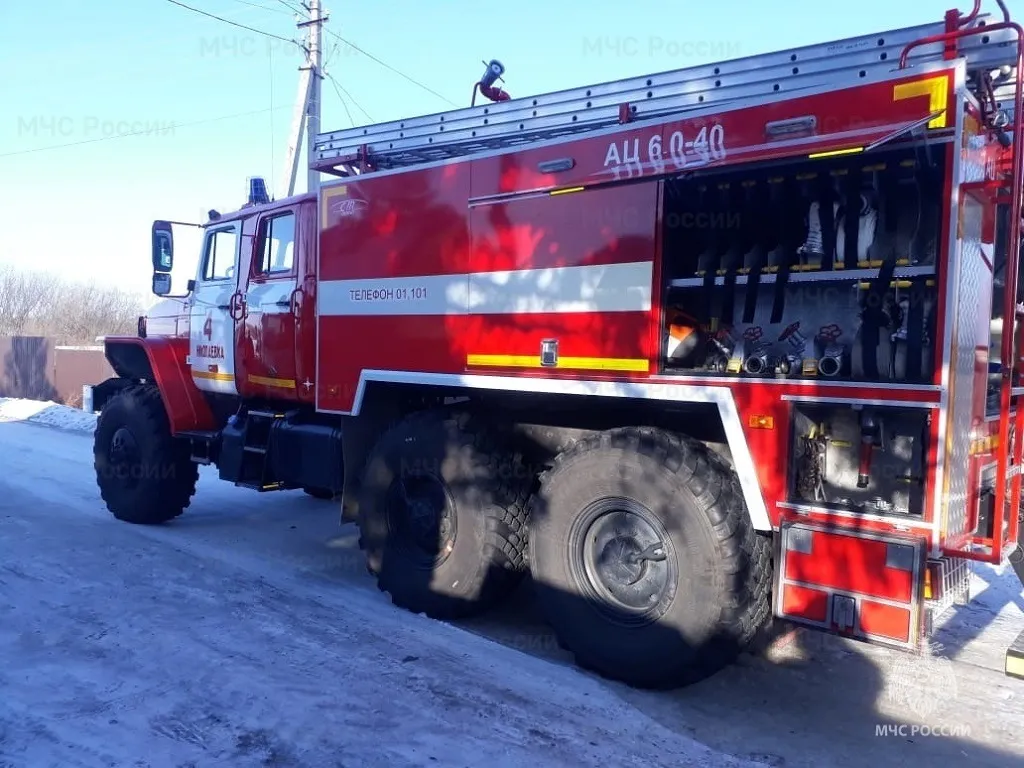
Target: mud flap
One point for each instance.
(865, 585)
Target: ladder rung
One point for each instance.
(525, 120)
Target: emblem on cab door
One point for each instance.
(348, 208)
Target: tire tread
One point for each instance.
(506, 528)
(747, 554)
(171, 496)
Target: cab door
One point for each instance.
(267, 343)
(214, 307)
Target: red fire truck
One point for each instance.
(692, 349)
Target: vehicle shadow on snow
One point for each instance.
(797, 698)
(793, 698)
(801, 698)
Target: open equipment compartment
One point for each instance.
(864, 459)
(822, 267)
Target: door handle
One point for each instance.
(236, 307)
(554, 166)
(293, 301)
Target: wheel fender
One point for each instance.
(162, 361)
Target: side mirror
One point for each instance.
(163, 247)
(161, 283)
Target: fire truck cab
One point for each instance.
(693, 349)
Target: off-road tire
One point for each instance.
(718, 600)
(488, 489)
(158, 484)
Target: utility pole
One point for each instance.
(313, 112)
(307, 103)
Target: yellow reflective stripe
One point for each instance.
(835, 153)
(935, 88)
(213, 376)
(268, 381)
(579, 363)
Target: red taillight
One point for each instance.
(142, 326)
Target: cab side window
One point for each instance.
(219, 259)
(277, 244)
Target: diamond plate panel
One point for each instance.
(956, 587)
(972, 165)
(970, 329)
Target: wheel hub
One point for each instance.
(627, 565)
(617, 562)
(624, 561)
(422, 511)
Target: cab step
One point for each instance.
(245, 450)
(202, 444)
(261, 488)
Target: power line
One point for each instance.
(388, 66)
(351, 98)
(172, 127)
(327, 58)
(349, 43)
(290, 7)
(233, 23)
(342, 100)
(339, 89)
(262, 7)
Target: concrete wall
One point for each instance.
(36, 368)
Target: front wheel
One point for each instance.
(644, 558)
(145, 475)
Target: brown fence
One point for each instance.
(35, 367)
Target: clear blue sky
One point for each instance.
(75, 70)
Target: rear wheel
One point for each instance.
(442, 515)
(145, 475)
(644, 558)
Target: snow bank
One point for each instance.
(46, 413)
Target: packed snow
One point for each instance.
(46, 413)
(247, 632)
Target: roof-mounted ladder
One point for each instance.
(522, 121)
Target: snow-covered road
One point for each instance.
(248, 633)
